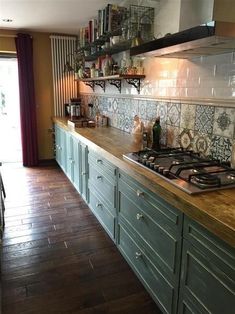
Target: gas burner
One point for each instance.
(185, 169)
(231, 176)
(175, 162)
(205, 180)
(179, 159)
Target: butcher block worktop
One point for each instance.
(214, 210)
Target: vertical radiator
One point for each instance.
(64, 85)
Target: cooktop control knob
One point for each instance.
(160, 169)
(148, 162)
(152, 165)
(166, 172)
(143, 161)
(155, 167)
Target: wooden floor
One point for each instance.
(56, 258)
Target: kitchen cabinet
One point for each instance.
(60, 147)
(84, 170)
(73, 158)
(208, 273)
(102, 189)
(2, 223)
(2, 206)
(149, 237)
(185, 268)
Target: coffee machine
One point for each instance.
(75, 108)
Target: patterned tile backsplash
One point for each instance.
(204, 128)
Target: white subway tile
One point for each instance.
(213, 82)
(224, 92)
(225, 69)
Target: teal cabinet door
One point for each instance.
(57, 144)
(208, 273)
(73, 159)
(61, 149)
(102, 191)
(76, 164)
(104, 184)
(102, 212)
(149, 225)
(84, 170)
(70, 157)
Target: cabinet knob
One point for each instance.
(99, 177)
(99, 161)
(137, 255)
(84, 173)
(98, 205)
(139, 193)
(139, 216)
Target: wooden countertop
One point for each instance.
(214, 210)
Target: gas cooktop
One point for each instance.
(185, 169)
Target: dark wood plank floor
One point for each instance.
(56, 258)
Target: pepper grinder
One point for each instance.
(90, 111)
(156, 134)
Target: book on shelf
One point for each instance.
(108, 20)
(92, 30)
(83, 36)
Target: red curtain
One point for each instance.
(24, 49)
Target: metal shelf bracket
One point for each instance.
(116, 83)
(100, 83)
(90, 84)
(135, 82)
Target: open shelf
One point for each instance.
(116, 48)
(116, 80)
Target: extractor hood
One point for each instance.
(208, 39)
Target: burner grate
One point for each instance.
(185, 169)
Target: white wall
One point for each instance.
(203, 78)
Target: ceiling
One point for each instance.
(53, 16)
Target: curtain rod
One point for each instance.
(11, 35)
(8, 35)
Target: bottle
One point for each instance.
(156, 134)
(92, 70)
(137, 132)
(107, 64)
(90, 110)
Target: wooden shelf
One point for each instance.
(122, 46)
(115, 80)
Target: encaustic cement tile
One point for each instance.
(221, 148)
(202, 144)
(172, 136)
(224, 122)
(186, 138)
(204, 119)
(187, 118)
(173, 114)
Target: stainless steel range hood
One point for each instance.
(196, 41)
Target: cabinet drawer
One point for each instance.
(103, 184)
(101, 163)
(164, 247)
(102, 213)
(168, 216)
(204, 284)
(158, 286)
(214, 248)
